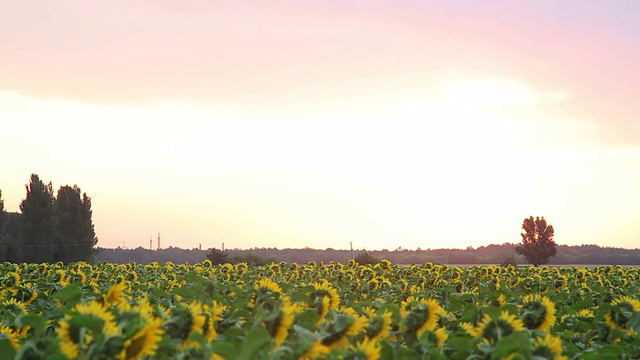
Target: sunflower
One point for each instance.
(316, 350)
(8, 333)
(59, 276)
(71, 335)
(491, 330)
(190, 319)
(325, 289)
(621, 311)
(11, 280)
(212, 315)
(548, 347)
(267, 286)
(13, 307)
(341, 328)
(144, 342)
(441, 336)
(497, 301)
(379, 325)
(115, 294)
(585, 313)
(420, 315)
(241, 268)
(538, 313)
(402, 285)
(95, 309)
(281, 324)
(323, 308)
(367, 349)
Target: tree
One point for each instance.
(366, 258)
(218, 257)
(2, 236)
(538, 245)
(76, 236)
(38, 222)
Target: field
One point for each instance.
(334, 311)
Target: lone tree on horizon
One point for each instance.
(538, 245)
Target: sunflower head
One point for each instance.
(185, 319)
(143, 342)
(314, 350)
(12, 308)
(367, 349)
(491, 328)
(11, 280)
(379, 324)
(622, 309)
(341, 328)
(538, 313)
(420, 316)
(324, 289)
(548, 347)
(9, 333)
(115, 294)
(269, 288)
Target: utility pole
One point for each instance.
(351, 242)
(159, 241)
(150, 242)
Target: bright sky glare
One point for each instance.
(389, 123)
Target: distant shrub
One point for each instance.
(217, 257)
(252, 259)
(509, 261)
(366, 258)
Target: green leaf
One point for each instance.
(185, 292)
(255, 339)
(36, 322)
(224, 349)
(462, 347)
(516, 343)
(70, 293)
(7, 352)
(469, 313)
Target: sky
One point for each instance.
(291, 124)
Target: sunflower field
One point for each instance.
(316, 311)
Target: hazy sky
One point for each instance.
(290, 124)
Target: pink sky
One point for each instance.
(294, 124)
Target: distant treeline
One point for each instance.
(491, 254)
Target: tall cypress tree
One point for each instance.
(88, 240)
(38, 222)
(75, 232)
(3, 217)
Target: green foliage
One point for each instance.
(538, 245)
(366, 258)
(490, 254)
(252, 259)
(267, 312)
(38, 222)
(11, 242)
(74, 228)
(510, 261)
(49, 228)
(3, 216)
(217, 256)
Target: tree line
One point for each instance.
(48, 228)
(490, 254)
